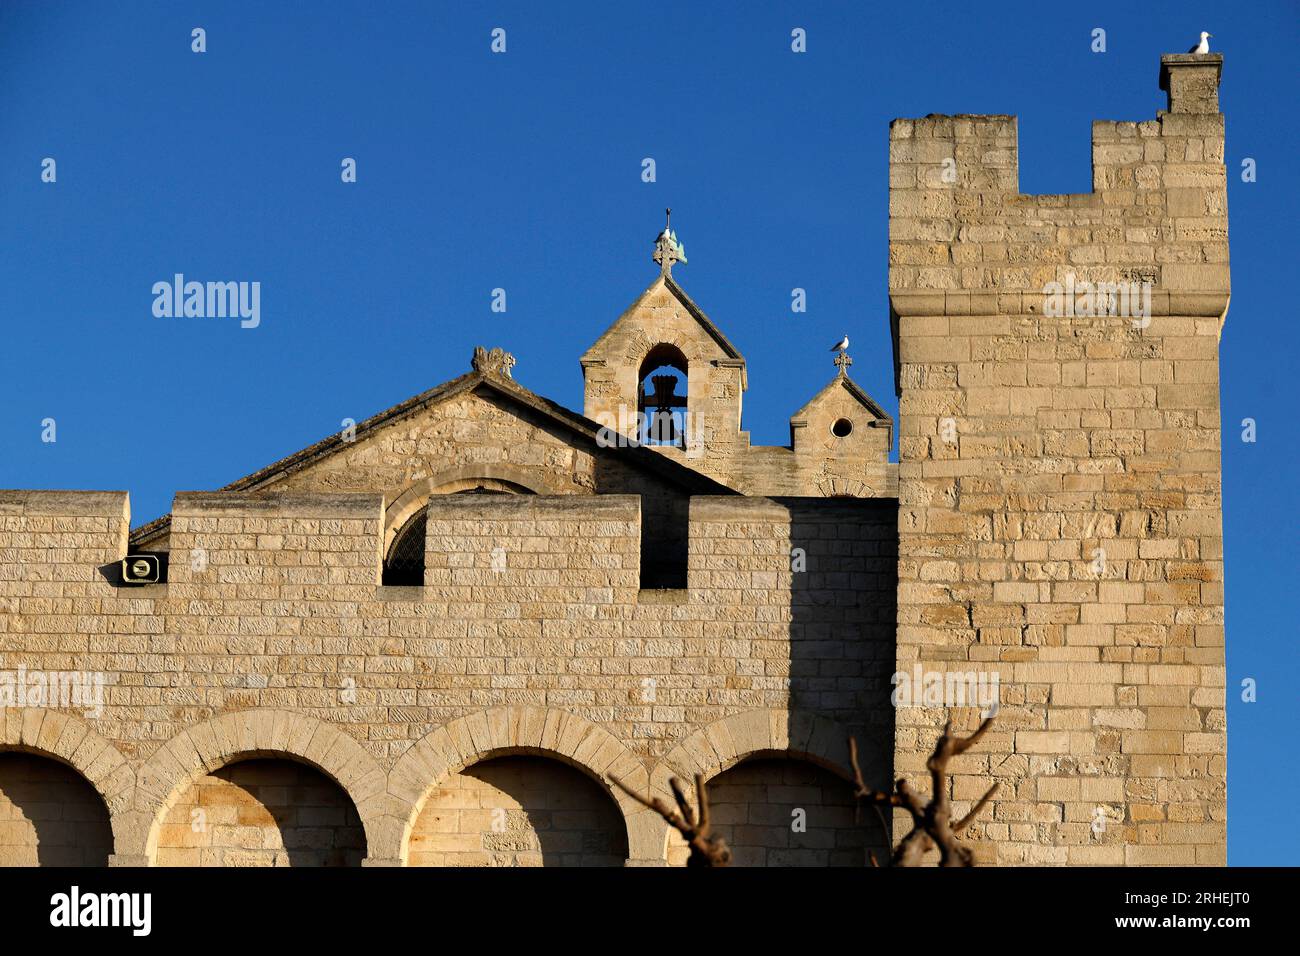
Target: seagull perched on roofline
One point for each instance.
(1204, 45)
(841, 345)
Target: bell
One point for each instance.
(663, 428)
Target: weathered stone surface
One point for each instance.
(1087, 444)
(1054, 521)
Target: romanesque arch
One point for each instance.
(72, 742)
(524, 730)
(258, 812)
(498, 477)
(771, 732)
(663, 399)
(518, 810)
(765, 767)
(640, 345)
(230, 738)
(785, 811)
(49, 814)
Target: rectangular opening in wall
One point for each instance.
(664, 528)
(404, 563)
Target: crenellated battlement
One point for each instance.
(478, 600)
(563, 550)
(1059, 467)
(273, 611)
(1157, 212)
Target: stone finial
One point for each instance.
(494, 362)
(1192, 81)
(842, 362)
(667, 249)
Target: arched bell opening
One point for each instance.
(662, 397)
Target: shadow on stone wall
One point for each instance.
(49, 815)
(842, 630)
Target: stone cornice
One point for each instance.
(1030, 302)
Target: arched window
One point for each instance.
(661, 397)
(404, 566)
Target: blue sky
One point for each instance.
(522, 171)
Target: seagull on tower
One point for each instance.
(841, 345)
(1204, 45)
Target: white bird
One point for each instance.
(1204, 45)
(841, 345)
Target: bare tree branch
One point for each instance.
(707, 848)
(874, 798)
(932, 823)
(969, 818)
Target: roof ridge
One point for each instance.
(692, 308)
(672, 470)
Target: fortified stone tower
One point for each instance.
(1059, 476)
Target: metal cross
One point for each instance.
(665, 249)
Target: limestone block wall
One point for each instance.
(476, 438)
(817, 465)
(715, 373)
(1158, 210)
(1059, 477)
(262, 813)
(777, 812)
(49, 815)
(518, 811)
(274, 639)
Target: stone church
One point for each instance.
(437, 638)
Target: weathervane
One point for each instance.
(667, 249)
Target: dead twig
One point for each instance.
(932, 823)
(707, 848)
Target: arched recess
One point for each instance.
(786, 811)
(49, 814)
(771, 732)
(261, 811)
(523, 730)
(519, 809)
(663, 395)
(71, 741)
(766, 739)
(493, 477)
(243, 735)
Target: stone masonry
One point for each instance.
(1059, 477)
(584, 607)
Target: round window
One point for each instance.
(842, 428)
